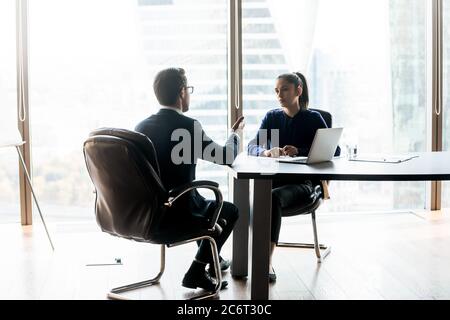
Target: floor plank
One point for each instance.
(395, 255)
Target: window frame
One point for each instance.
(235, 97)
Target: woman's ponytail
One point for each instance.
(304, 98)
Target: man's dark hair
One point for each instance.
(168, 84)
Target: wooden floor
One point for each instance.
(396, 255)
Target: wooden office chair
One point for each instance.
(317, 196)
(132, 203)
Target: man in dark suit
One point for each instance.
(179, 142)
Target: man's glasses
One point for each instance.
(190, 89)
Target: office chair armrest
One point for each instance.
(176, 193)
(192, 185)
(317, 193)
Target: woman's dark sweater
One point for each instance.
(298, 131)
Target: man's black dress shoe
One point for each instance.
(202, 280)
(272, 276)
(224, 266)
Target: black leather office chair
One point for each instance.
(131, 201)
(310, 207)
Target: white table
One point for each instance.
(13, 139)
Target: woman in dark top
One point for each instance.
(296, 129)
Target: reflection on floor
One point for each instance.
(397, 255)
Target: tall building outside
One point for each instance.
(365, 61)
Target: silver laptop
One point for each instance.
(322, 149)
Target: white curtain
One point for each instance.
(295, 23)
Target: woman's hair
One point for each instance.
(167, 85)
(298, 79)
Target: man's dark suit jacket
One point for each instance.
(178, 138)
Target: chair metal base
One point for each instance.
(316, 246)
(115, 292)
(321, 254)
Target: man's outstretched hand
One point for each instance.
(239, 124)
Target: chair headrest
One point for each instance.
(141, 141)
(326, 116)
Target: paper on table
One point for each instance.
(384, 158)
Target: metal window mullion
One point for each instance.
(234, 61)
(22, 108)
(437, 96)
(234, 68)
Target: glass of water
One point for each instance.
(352, 151)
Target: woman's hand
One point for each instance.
(273, 153)
(290, 151)
(238, 125)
